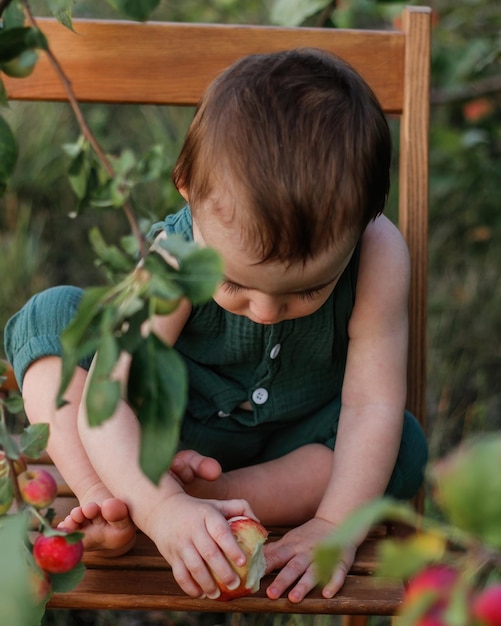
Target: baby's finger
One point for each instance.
(219, 567)
(233, 508)
(288, 575)
(305, 584)
(338, 578)
(193, 575)
(185, 580)
(220, 531)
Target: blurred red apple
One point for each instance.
(40, 584)
(38, 487)
(436, 582)
(486, 607)
(250, 536)
(57, 553)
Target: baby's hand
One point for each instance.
(193, 535)
(294, 554)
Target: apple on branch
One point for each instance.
(487, 606)
(250, 536)
(58, 552)
(38, 487)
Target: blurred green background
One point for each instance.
(41, 245)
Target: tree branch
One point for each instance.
(86, 131)
(326, 13)
(482, 87)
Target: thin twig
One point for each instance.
(326, 13)
(86, 131)
(481, 87)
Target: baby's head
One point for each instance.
(291, 150)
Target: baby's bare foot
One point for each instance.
(188, 465)
(108, 528)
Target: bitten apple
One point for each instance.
(250, 536)
(38, 487)
(57, 553)
(487, 606)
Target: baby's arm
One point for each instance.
(191, 534)
(373, 402)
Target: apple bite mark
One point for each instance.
(250, 536)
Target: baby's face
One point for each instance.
(270, 292)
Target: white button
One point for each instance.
(223, 414)
(260, 395)
(274, 351)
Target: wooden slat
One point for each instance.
(159, 63)
(153, 590)
(413, 194)
(142, 579)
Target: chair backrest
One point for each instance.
(172, 63)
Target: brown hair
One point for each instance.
(304, 137)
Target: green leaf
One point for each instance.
(4, 98)
(34, 439)
(7, 442)
(329, 552)
(78, 174)
(8, 153)
(103, 394)
(402, 558)
(61, 583)
(17, 603)
(61, 9)
(14, 404)
(152, 165)
(6, 492)
(75, 340)
(133, 9)
(157, 390)
(13, 15)
(200, 273)
(466, 485)
(294, 12)
(13, 41)
(111, 256)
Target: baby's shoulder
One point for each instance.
(384, 273)
(384, 250)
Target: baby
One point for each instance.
(297, 366)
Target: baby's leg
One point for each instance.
(107, 526)
(284, 491)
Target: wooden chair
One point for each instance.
(167, 63)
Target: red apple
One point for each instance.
(38, 487)
(487, 606)
(40, 584)
(250, 536)
(56, 554)
(437, 581)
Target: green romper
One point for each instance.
(290, 372)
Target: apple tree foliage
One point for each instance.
(461, 531)
(140, 282)
(22, 596)
(111, 318)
